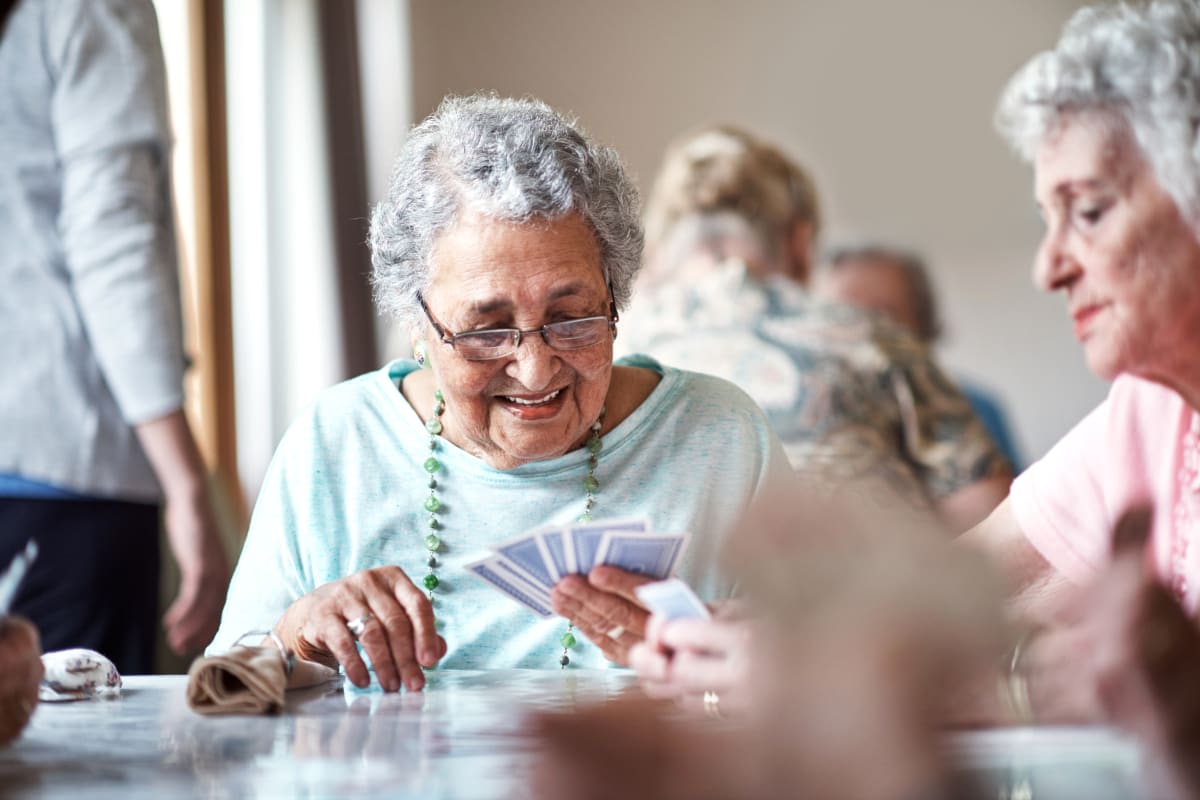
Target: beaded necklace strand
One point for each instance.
(433, 541)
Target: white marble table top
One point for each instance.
(457, 739)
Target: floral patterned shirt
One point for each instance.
(850, 395)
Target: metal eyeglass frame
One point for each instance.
(449, 337)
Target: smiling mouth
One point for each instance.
(533, 401)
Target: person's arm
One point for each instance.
(965, 508)
(1036, 595)
(1037, 591)
(109, 113)
(192, 532)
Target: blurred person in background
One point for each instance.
(895, 283)
(20, 673)
(95, 442)
(731, 225)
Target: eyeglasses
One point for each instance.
(493, 343)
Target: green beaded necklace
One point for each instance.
(433, 542)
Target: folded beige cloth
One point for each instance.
(248, 680)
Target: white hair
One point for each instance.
(513, 160)
(1134, 65)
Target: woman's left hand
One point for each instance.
(605, 609)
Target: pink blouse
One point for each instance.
(1141, 444)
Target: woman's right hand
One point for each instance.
(398, 633)
(20, 673)
(684, 659)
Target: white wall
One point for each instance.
(889, 103)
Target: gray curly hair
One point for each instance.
(1136, 65)
(514, 160)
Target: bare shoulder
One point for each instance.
(629, 388)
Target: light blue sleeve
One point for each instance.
(271, 574)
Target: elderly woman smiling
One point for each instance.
(508, 242)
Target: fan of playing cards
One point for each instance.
(527, 568)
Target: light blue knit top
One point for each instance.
(344, 493)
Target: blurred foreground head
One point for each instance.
(868, 622)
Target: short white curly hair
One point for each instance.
(1133, 65)
(510, 159)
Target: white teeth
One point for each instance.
(536, 402)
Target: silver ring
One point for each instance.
(359, 624)
(616, 633)
(712, 705)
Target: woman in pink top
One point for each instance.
(1109, 119)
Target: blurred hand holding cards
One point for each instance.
(672, 599)
(527, 568)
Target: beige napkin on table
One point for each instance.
(248, 680)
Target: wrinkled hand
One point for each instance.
(1129, 657)
(682, 660)
(602, 604)
(399, 638)
(20, 673)
(1123, 641)
(193, 534)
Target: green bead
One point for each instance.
(431, 581)
(432, 465)
(568, 640)
(585, 517)
(432, 503)
(434, 426)
(433, 523)
(594, 445)
(437, 395)
(439, 409)
(432, 542)
(590, 484)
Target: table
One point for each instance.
(457, 739)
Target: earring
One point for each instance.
(419, 353)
